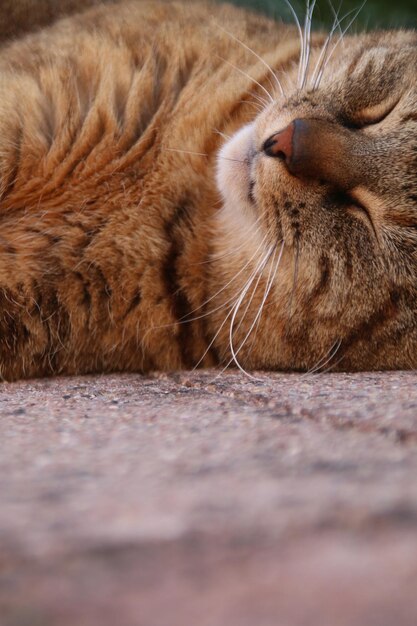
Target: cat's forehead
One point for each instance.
(373, 67)
(380, 54)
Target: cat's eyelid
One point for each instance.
(376, 113)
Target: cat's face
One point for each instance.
(326, 181)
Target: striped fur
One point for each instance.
(118, 250)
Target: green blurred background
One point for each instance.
(374, 14)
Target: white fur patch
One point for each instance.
(238, 218)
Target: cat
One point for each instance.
(193, 185)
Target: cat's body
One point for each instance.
(127, 244)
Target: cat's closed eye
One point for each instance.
(371, 115)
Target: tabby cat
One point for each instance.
(187, 184)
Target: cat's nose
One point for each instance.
(281, 144)
(323, 150)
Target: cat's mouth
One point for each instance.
(234, 168)
(251, 190)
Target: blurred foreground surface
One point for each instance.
(183, 500)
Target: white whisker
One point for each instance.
(269, 68)
(219, 132)
(204, 154)
(223, 158)
(256, 106)
(231, 307)
(336, 14)
(325, 359)
(270, 280)
(196, 366)
(271, 99)
(335, 364)
(186, 320)
(300, 33)
(334, 350)
(216, 257)
(238, 303)
(268, 288)
(307, 37)
(320, 75)
(258, 271)
(323, 58)
(303, 60)
(259, 99)
(242, 269)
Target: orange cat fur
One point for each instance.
(134, 235)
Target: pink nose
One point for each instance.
(324, 151)
(281, 144)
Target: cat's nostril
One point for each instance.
(280, 145)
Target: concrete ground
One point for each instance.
(205, 500)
